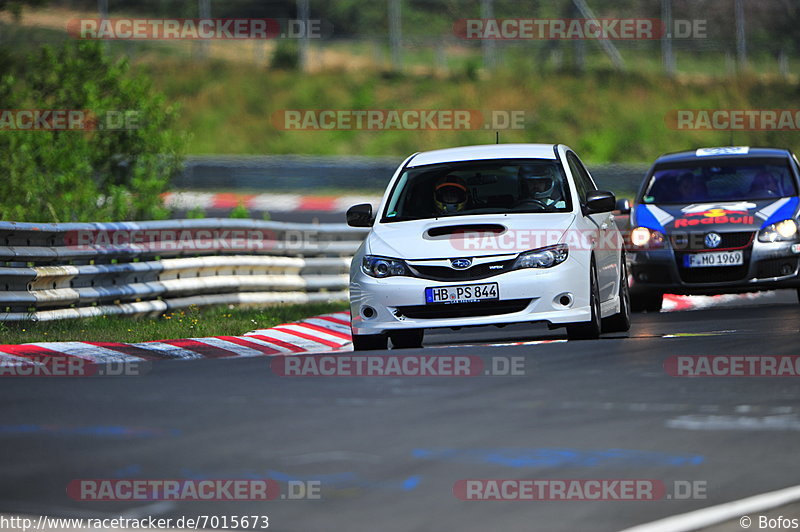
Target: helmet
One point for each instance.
(536, 182)
(450, 195)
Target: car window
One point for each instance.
(720, 180)
(479, 187)
(582, 182)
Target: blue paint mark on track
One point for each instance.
(340, 480)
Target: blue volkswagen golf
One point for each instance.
(715, 221)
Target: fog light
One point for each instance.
(565, 299)
(642, 276)
(368, 312)
(787, 269)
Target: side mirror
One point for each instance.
(360, 215)
(623, 206)
(600, 201)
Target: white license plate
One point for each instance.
(713, 258)
(462, 293)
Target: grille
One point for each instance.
(464, 310)
(713, 274)
(446, 273)
(696, 240)
(772, 267)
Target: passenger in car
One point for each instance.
(765, 186)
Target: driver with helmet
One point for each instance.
(451, 195)
(536, 185)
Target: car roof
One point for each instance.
(725, 152)
(482, 152)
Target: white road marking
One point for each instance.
(768, 423)
(719, 514)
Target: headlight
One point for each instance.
(643, 237)
(779, 232)
(542, 258)
(381, 267)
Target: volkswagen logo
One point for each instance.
(713, 240)
(460, 264)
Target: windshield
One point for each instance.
(720, 180)
(479, 187)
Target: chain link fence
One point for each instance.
(698, 37)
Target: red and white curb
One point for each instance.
(265, 202)
(673, 303)
(330, 332)
(319, 334)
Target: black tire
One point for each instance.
(621, 321)
(589, 330)
(369, 342)
(798, 295)
(646, 302)
(408, 339)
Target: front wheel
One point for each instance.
(621, 322)
(588, 330)
(369, 342)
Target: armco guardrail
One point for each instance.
(59, 271)
(293, 172)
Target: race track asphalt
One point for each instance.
(388, 450)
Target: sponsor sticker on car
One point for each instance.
(726, 150)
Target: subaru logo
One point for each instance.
(460, 264)
(713, 240)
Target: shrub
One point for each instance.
(93, 175)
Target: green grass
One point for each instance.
(606, 116)
(191, 323)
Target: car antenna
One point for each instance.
(497, 137)
(731, 144)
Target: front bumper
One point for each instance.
(767, 266)
(529, 295)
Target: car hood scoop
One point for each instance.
(472, 236)
(458, 229)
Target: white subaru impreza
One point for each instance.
(488, 235)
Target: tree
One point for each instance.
(93, 175)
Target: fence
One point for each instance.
(416, 35)
(60, 271)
